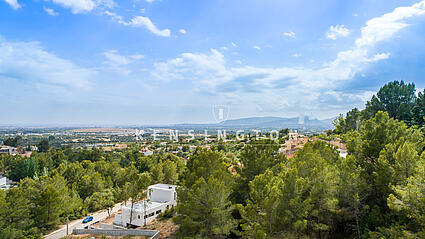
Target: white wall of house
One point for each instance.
(161, 197)
(3, 181)
(141, 217)
(162, 193)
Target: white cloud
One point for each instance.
(84, 6)
(296, 55)
(145, 22)
(28, 61)
(115, 17)
(117, 61)
(106, 3)
(290, 34)
(384, 27)
(182, 31)
(381, 56)
(77, 6)
(139, 21)
(50, 11)
(257, 47)
(13, 3)
(234, 44)
(289, 88)
(337, 31)
(137, 57)
(193, 66)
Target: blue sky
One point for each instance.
(170, 61)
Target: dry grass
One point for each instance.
(167, 228)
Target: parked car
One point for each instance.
(88, 219)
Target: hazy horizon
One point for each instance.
(54, 125)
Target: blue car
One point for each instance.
(88, 219)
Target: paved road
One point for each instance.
(97, 216)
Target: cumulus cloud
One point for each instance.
(29, 62)
(84, 6)
(381, 56)
(290, 34)
(337, 31)
(13, 3)
(211, 67)
(50, 11)
(77, 6)
(257, 47)
(384, 27)
(182, 31)
(285, 88)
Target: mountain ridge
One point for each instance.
(267, 122)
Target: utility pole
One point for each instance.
(144, 212)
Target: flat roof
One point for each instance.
(163, 186)
(142, 205)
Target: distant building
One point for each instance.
(293, 135)
(147, 153)
(342, 152)
(120, 146)
(7, 149)
(161, 197)
(6, 183)
(294, 142)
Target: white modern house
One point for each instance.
(7, 149)
(6, 183)
(342, 153)
(161, 197)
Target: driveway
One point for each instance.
(97, 216)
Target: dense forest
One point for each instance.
(247, 189)
(65, 184)
(378, 191)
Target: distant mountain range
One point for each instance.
(266, 123)
(243, 123)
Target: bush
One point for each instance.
(167, 214)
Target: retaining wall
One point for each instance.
(117, 232)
